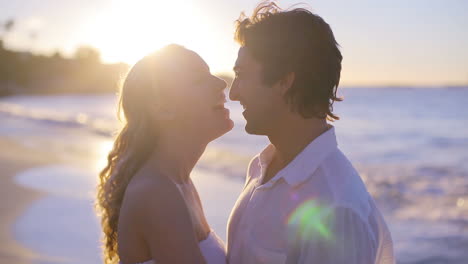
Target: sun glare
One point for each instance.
(128, 30)
(102, 151)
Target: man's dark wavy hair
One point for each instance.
(298, 41)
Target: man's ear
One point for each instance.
(286, 82)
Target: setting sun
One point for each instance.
(128, 30)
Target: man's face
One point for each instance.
(262, 103)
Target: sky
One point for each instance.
(385, 42)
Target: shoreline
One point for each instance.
(16, 199)
(30, 210)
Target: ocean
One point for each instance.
(410, 146)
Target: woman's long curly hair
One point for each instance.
(133, 145)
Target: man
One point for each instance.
(302, 202)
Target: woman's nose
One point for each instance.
(219, 83)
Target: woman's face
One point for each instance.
(195, 97)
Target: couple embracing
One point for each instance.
(302, 202)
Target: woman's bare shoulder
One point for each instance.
(152, 191)
(161, 216)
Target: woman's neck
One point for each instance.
(176, 155)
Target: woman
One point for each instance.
(151, 211)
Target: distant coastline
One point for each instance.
(22, 72)
(27, 73)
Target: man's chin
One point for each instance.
(252, 130)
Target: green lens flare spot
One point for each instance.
(309, 219)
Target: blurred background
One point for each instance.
(404, 120)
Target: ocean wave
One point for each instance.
(225, 161)
(47, 115)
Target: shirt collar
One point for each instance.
(305, 163)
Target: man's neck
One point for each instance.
(290, 140)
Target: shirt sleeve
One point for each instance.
(331, 236)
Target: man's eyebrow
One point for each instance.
(236, 67)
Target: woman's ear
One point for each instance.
(161, 113)
(167, 115)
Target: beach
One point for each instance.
(22, 206)
(49, 175)
(412, 158)
(14, 199)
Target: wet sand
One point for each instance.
(14, 199)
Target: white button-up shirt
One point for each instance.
(315, 210)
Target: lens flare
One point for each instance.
(309, 221)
